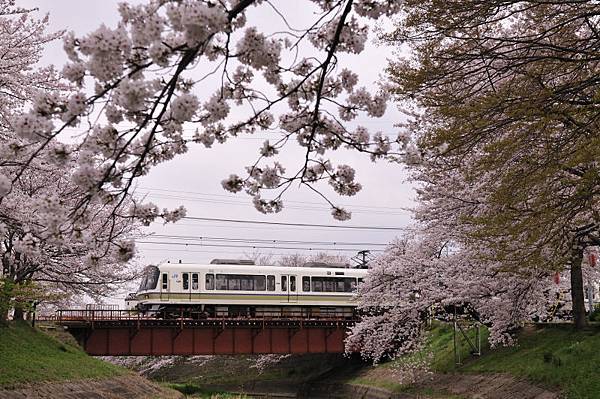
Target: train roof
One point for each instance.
(257, 268)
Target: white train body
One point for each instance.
(196, 290)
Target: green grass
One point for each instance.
(378, 383)
(440, 343)
(195, 391)
(554, 356)
(28, 355)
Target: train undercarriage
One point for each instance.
(186, 311)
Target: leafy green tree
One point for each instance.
(505, 106)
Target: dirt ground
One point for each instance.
(467, 386)
(487, 386)
(130, 386)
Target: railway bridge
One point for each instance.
(128, 333)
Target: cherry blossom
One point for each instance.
(425, 276)
(145, 72)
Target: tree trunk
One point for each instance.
(577, 294)
(19, 314)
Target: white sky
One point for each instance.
(193, 180)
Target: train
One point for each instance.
(239, 288)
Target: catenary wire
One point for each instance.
(259, 228)
(329, 226)
(197, 193)
(258, 240)
(249, 246)
(248, 204)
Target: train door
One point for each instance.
(186, 286)
(293, 291)
(164, 287)
(289, 287)
(195, 285)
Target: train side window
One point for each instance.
(221, 282)
(317, 284)
(270, 283)
(350, 285)
(246, 284)
(259, 283)
(165, 281)
(242, 282)
(209, 283)
(195, 281)
(333, 284)
(292, 283)
(233, 283)
(283, 283)
(186, 281)
(329, 285)
(305, 283)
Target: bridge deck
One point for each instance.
(117, 332)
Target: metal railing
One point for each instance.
(92, 315)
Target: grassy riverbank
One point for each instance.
(194, 391)
(554, 356)
(28, 355)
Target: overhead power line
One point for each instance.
(244, 203)
(247, 246)
(207, 251)
(329, 226)
(192, 225)
(261, 240)
(233, 197)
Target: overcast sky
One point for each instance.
(193, 180)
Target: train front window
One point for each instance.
(209, 283)
(305, 284)
(283, 283)
(292, 283)
(186, 281)
(149, 278)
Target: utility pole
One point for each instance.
(362, 259)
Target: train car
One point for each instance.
(231, 289)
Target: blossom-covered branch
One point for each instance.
(144, 78)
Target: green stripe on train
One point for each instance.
(282, 299)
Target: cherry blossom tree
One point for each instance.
(502, 103)
(40, 246)
(139, 87)
(43, 255)
(21, 43)
(428, 275)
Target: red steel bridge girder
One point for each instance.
(157, 340)
(125, 332)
